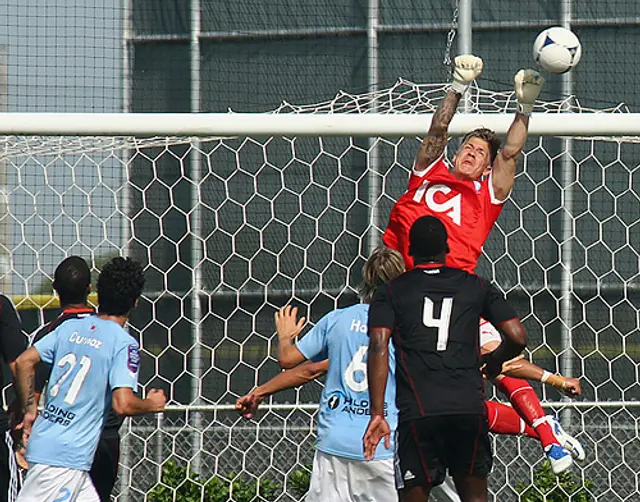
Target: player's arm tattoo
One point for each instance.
(25, 379)
(31, 394)
(434, 144)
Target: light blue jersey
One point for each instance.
(89, 357)
(341, 336)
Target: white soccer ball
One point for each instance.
(557, 50)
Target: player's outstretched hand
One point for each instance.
(571, 387)
(377, 429)
(248, 405)
(158, 399)
(466, 68)
(286, 324)
(527, 86)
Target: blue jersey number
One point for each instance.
(70, 360)
(355, 376)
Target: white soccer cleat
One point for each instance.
(572, 445)
(559, 457)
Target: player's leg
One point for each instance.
(415, 494)
(469, 457)
(10, 480)
(419, 461)
(104, 470)
(526, 403)
(504, 419)
(471, 488)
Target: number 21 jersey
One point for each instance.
(467, 208)
(90, 357)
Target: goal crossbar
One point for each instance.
(342, 124)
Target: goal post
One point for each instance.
(252, 124)
(235, 215)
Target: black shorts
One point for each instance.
(429, 447)
(10, 473)
(104, 470)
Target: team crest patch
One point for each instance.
(133, 359)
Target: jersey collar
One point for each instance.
(87, 310)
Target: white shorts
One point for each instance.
(339, 479)
(45, 483)
(488, 333)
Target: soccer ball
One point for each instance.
(557, 49)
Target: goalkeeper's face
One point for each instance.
(472, 160)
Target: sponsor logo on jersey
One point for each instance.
(133, 359)
(85, 340)
(358, 406)
(333, 402)
(57, 415)
(431, 271)
(358, 325)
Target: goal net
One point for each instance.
(232, 228)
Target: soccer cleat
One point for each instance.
(572, 445)
(559, 458)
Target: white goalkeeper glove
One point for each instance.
(528, 85)
(466, 69)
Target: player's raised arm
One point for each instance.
(466, 70)
(527, 87)
(288, 328)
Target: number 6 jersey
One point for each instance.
(90, 357)
(434, 313)
(341, 336)
(467, 208)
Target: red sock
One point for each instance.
(504, 419)
(525, 401)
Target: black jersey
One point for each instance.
(12, 341)
(43, 370)
(434, 312)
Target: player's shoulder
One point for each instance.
(7, 306)
(346, 314)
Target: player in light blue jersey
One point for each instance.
(338, 345)
(94, 363)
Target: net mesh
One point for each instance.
(231, 229)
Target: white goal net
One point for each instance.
(231, 229)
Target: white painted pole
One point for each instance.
(465, 40)
(374, 181)
(196, 235)
(566, 307)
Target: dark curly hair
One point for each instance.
(489, 137)
(119, 286)
(71, 280)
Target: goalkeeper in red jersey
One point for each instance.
(468, 198)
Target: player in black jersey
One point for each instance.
(433, 313)
(72, 282)
(12, 344)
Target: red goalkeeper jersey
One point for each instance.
(467, 208)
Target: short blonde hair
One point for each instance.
(383, 265)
